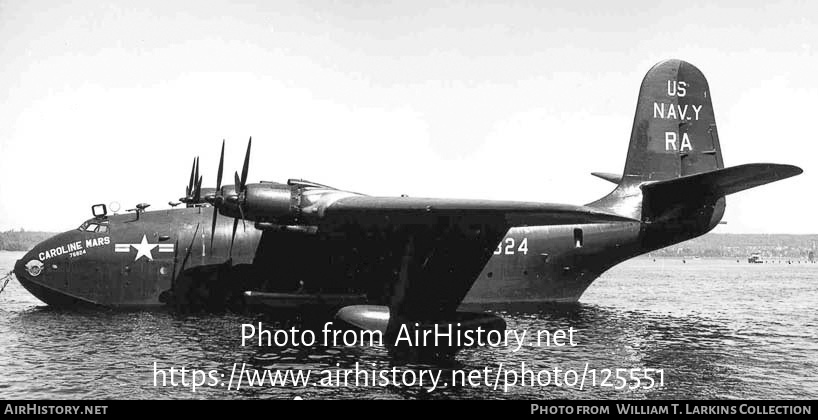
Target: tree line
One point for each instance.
(21, 240)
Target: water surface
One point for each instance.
(718, 329)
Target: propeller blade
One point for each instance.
(238, 203)
(175, 261)
(246, 165)
(190, 183)
(195, 178)
(238, 183)
(218, 191)
(189, 248)
(184, 262)
(243, 222)
(221, 167)
(213, 228)
(233, 238)
(198, 195)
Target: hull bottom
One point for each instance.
(486, 294)
(53, 297)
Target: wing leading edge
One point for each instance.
(408, 210)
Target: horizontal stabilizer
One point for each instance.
(721, 182)
(616, 179)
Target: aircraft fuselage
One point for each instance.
(165, 257)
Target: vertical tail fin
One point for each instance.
(674, 135)
(674, 131)
(674, 178)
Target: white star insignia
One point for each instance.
(144, 249)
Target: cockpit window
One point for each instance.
(94, 226)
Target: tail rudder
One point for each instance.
(674, 173)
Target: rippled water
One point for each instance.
(718, 328)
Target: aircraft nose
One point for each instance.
(19, 267)
(46, 256)
(29, 266)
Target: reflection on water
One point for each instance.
(718, 329)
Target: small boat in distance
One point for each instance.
(755, 258)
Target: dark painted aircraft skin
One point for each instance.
(307, 244)
(533, 264)
(121, 271)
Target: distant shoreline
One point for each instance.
(735, 245)
(742, 260)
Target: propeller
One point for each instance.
(233, 238)
(197, 196)
(193, 191)
(246, 165)
(189, 189)
(197, 188)
(176, 274)
(189, 248)
(218, 188)
(241, 190)
(217, 199)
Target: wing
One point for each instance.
(418, 256)
(435, 248)
(367, 210)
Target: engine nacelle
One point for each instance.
(269, 203)
(265, 202)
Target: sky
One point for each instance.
(105, 102)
